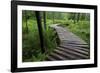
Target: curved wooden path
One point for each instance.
(71, 47)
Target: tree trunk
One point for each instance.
(44, 17)
(38, 17)
(74, 18)
(78, 16)
(53, 17)
(26, 22)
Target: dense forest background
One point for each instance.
(78, 23)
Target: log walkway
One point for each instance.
(71, 47)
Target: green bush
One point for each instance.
(82, 29)
(50, 39)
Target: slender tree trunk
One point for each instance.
(86, 16)
(44, 17)
(74, 18)
(38, 17)
(53, 17)
(78, 17)
(26, 22)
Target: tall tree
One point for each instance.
(74, 18)
(26, 19)
(77, 17)
(38, 17)
(53, 14)
(44, 17)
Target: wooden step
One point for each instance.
(76, 49)
(75, 43)
(65, 54)
(50, 58)
(78, 54)
(83, 48)
(58, 56)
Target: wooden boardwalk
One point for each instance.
(71, 46)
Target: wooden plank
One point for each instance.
(78, 54)
(81, 47)
(75, 49)
(77, 45)
(50, 58)
(64, 54)
(57, 56)
(73, 42)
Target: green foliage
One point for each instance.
(31, 45)
(81, 28)
(50, 40)
(31, 42)
(78, 23)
